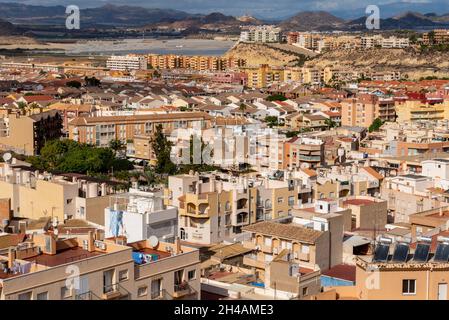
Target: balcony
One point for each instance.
(309, 158)
(115, 292)
(181, 290)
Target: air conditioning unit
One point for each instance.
(103, 246)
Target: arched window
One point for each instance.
(268, 204)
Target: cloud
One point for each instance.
(265, 8)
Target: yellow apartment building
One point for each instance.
(99, 131)
(27, 133)
(413, 110)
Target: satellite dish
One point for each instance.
(7, 156)
(153, 241)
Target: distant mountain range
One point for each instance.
(26, 17)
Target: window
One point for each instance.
(25, 296)
(142, 291)
(156, 291)
(123, 275)
(305, 290)
(291, 200)
(69, 201)
(267, 241)
(305, 249)
(408, 286)
(65, 293)
(191, 274)
(42, 296)
(280, 200)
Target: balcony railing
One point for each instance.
(115, 291)
(89, 295)
(181, 290)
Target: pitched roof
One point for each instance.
(310, 172)
(373, 173)
(285, 231)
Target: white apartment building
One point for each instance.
(138, 215)
(263, 34)
(387, 43)
(128, 62)
(438, 169)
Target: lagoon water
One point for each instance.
(157, 46)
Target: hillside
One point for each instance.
(272, 54)
(410, 62)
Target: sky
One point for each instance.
(266, 8)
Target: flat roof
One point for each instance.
(63, 257)
(358, 202)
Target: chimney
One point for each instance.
(178, 246)
(90, 243)
(11, 257)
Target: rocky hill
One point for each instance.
(272, 54)
(409, 61)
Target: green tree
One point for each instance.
(71, 156)
(330, 123)
(272, 121)
(117, 146)
(162, 148)
(377, 123)
(276, 97)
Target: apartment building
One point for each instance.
(436, 36)
(364, 109)
(210, 210)
(99, 131)
(386, 43)
(126, 63)
(27, 133)
(42, 269)
(213, 208)
(341, 182)
(139, 214)
(263, 76)
(34, 194)
(407, 194)
(199, 63)
(302, 152)
(262, 34)
(308, 246)
(416, 111)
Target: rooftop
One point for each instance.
(358, 202)
(284, 231)
(63, 257)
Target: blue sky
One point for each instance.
(265, 8)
